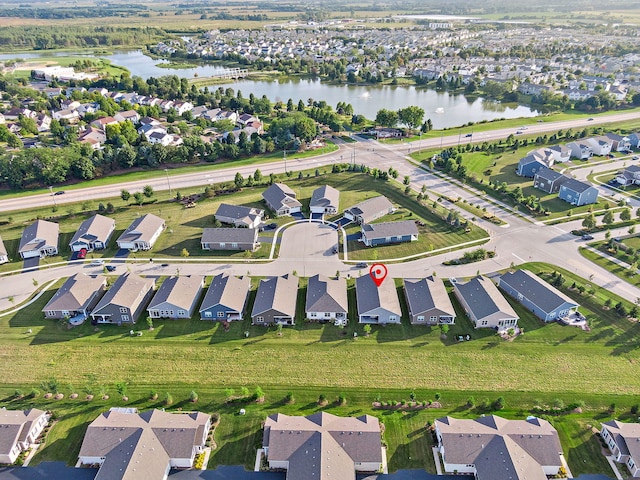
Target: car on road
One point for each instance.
(589, 119)
(519, 132)
(469, 135)
(82, 253)
(110, 268)
(96, 263)
(164, 265)
(59, 192)
(587, 237)
(635, 157)
(362, 265)
(524, 127)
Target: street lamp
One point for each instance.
(53, 196)
(166, 172)
(284, 154)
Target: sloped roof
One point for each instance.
(576, 185)
(75, 293)
(425, 294)
(389, 229)
(178, 291)
(536, 290)
(550, 175)
(277, 293)
(15, 426)
(97, 227)
(3, 249)
(238, 211)
(142, 229)
(229, 235)
(325, 196)
(370, 207)
(126, 291)
(279, 195)
(484, 299)
(326, 294)
(141, 445)
(369, 296)
(46, 232)
(227, 290)
(627, 437)
(501, 449)
(322, 446)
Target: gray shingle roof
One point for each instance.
(425, 294)
(75, 293)
(142, 229)
(371, 208)
(277, 293)
(238, 212)
(229, 235)
(128, 290)
(369, 296)
(178, 291)
(15, 425)
(325, 196)
(550, 175)
(227, 290)
(536, 290)
(576, 185)
(627, 437)
(501, 449)
(97, 227)
(390, 229)
(42, 230)
(326, 294)
(484, 299)
(279, 195)
(323, 445)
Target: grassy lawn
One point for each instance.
(608, 264)
(202, 356)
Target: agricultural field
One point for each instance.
(180, 356)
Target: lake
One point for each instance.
(444, 109)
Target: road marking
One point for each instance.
(519, 258)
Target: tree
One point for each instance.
(139, 198)
(147, 191)
(257, 176)
(184, 253)
(125, 195)
(386, 118)
(193, 396)
(411, 116)
(444, 329)
(238, 180)
(589, 222)
(258, 394)
(625, 214)
(607, 218)
(406, 180)
(367, 329)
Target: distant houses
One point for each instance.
(19, 430)
(4, 256)
(534, 162)
(378, 305)
(623, 441)
(276, 300)
(40, 239)
(281, 199)
(484, 304)
(629, 176)
(142, 233)
(548, 180)
(230, 239)
(325, 200)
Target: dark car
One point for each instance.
(164, 265)
(587, 237)
(110, 268)
(469, 135)
(82, 253)
(59, 192)
(271, 226)
(362, 265)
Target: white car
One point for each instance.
(97, 263)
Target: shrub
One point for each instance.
(498, 403)
(288, 398)
(167, 399)
(34, 393)
(153, 394)
(322, 398)
(342, 399)
(634, 409)
(193, 396)
(471, 402)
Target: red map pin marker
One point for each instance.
(378, 273)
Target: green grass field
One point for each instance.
(180, 356)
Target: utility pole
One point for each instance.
(166, 171)
(284, 153)
(53, 197)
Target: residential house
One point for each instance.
(150, 129)
(369, 210)
(131, 115)
(618, 142)
(629, 176)
(327, 300)
(230, 239)
(377, 304)
(19, 430)
(102, 123)
(560, 153)
(484, 304)
(142, 233)
(94, 137)
(386, 233)
(325, 199)
(77, 296)
(323, 446)
(491, 447)
(71, 116)
(4, 256)
(281, 199)
(127, 444)
(124, 301)
(534, 162)
(176, 297)
(43, 122)
(94, 234)
(275, 301)
(545, 301)
(226, 298)
(428, 301)
(239, 216)
(600, 145)
(40, 239)
(578, 193)
(580, 149)
(549, 180)
(182, 107)
(634, 140)
(623, 441)
(247, 118)
(164, 138)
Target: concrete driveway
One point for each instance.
(308, 240)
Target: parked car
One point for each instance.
(96, 263)
(82, 253)
(635, 157)
(110, 268)
(587, 237)
(362, 265)
(611, 155)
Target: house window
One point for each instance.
(207, 314)
(392, 318)
(420, 318)
(484, 322)
(520, 297)
(223, 245)
(433, 319)
(234, 245)
(220, 314)
(123, 310)
(259, 319)
(124, 318)
(327, 314)
(50, 313)
(181, 313)
(313, 314)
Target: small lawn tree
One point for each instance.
(147, 191)
(125, 195)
